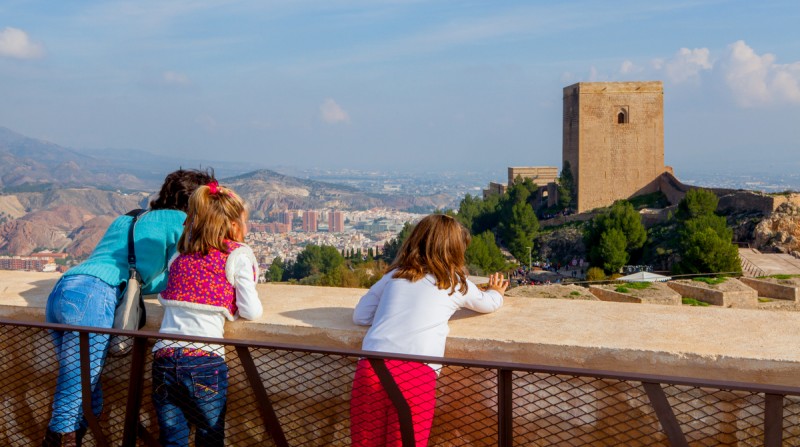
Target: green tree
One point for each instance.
(705, 241)
(275, 271)
(612, 249)
(391, 248)
(484, 256)
(620, 216)
(519, 230)
(697, 202)
(478, 215)
(566, 187)
(704, 251)
(316, 261)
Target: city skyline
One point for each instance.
(396, 85)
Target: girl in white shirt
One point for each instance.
(408, 310)
(212, 280)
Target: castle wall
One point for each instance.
(541, 175)
(613, 157)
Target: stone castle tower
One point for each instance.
(613, 140)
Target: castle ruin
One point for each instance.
(613, 140)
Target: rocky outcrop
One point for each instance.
(779, 232)
(562, 245)
(49, 228)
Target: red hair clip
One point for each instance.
(213, 187)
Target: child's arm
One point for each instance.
(245, 272)
(368, 304)
(489, 300)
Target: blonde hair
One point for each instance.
(209, 221)
(437, 245)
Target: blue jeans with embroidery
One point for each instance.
(79, 300)
(190, 391)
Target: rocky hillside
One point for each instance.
(71, 219)
(779, 232)
(266, 190)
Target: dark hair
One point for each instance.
(178, 187)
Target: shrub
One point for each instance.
(782, 276)
(575, 293)
(639, 285)
(595, 274)
(710, 281)
(622, 289)
(693, 302)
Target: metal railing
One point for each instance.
(295, 395)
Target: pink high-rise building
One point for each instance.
(336, 222)
(286, 217)
(310, 221)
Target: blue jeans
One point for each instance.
(78, 300)
(190, 391)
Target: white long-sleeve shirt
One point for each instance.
(411, 317)
(181, 320)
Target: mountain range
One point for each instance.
(58, 198)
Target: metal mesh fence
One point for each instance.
(277, 395)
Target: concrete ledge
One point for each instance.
(731, 293)
(719, 343)
(770, 289)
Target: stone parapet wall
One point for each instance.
(564, 333)
(703, 343)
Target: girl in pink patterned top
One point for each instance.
(211, 280)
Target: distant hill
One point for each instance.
(30, 164)
(266, 190)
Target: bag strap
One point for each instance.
(131, 249)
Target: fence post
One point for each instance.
(86, 389)
(773, 420)
(669, 423)
(268, 416)
(505, 416)
(135, 391)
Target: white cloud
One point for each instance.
(686, 65)
(175, 78)
(15, 43)
(757, 80)
(628, 67)
(332, 113)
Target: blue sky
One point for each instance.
(391, 84)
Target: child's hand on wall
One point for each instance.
(498, 282)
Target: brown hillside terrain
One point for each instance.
(48, 228)
(87, 236)
(10, 207)
(779, 232)
(72, 219)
